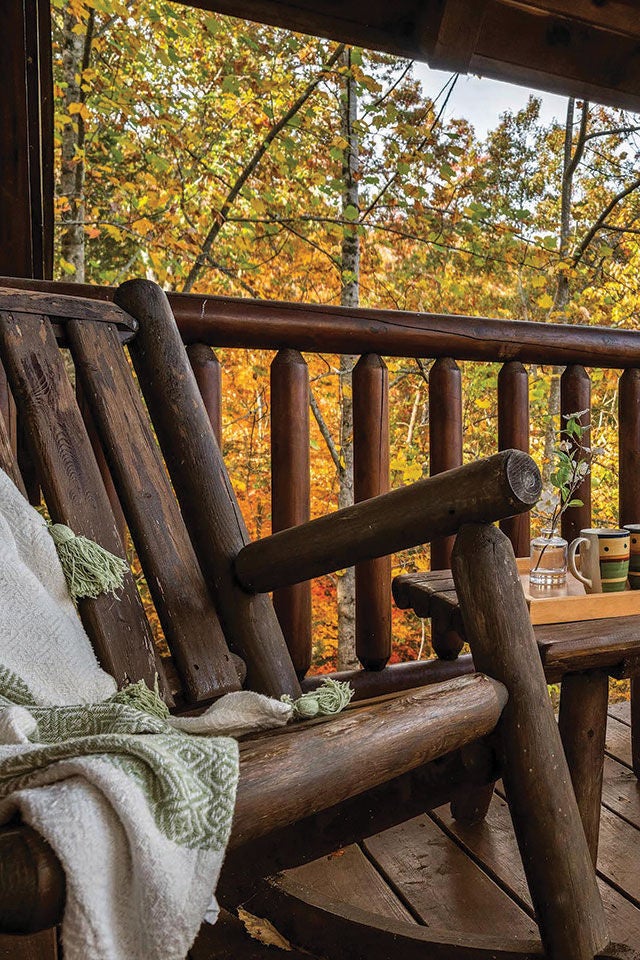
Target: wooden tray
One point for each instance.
(570, 603)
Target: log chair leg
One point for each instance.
(552, 844)
(471, 805)
(583, 727)
(470, 802)
(635, 725)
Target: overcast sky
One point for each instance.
(481, 101)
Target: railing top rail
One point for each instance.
(268, 324)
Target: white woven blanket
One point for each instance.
(138, 811)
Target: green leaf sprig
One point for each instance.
(572, 459)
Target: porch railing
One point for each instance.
(291, 329)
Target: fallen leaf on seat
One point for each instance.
(261, 929)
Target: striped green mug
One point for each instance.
(604, 559)
(634, 559)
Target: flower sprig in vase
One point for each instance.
(572, 464)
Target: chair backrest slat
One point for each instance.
(73, 487)
(202, 485)
(178, 589)
(8, 462)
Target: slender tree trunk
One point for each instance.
(570, 160)
(562, 289)
(76, 51)
(350, 297)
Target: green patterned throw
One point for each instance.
(138, 812)
(136, 804)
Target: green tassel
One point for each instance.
(89, 569)
(139, 695)
(331, 697)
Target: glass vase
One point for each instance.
(548, 567)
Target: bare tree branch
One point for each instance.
(614, 132)
(579, 147)
(600, 222)
(324, 430)
(228, 272)
(250, 166)
(421, 145)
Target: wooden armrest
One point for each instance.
(500, 486)
(279, 785)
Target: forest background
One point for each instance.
(216, 155)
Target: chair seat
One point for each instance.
(352, 753)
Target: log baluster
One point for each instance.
(290, 491)
(583, 697)
(629, 486)
(371, 477)
(445, 452)
(575, 395)
(208, 373)
(445, 437)
(513, 433)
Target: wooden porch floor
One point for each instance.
(431, 872)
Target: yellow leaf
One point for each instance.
(545, 301)
(66, 266)
(143, 225)
(413, 472)
(398, 463)
(80, 109)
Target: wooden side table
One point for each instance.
(581, 655)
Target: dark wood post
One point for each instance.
(445, 452)
(290, 491)
(629, 500)
(445, 437)
(26, 166)
(583, 699)
(575, 395)
(26, 131)
(513, 433)
(543, 807)
(208, 373)
(371, 477)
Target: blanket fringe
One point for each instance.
(139, 695)
(88, 568)
(331, 697)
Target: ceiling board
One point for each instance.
(583, 48)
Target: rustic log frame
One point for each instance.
(402, 734)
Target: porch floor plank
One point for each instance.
(349, 877)
(435, 873)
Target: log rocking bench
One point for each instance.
(316, 786)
